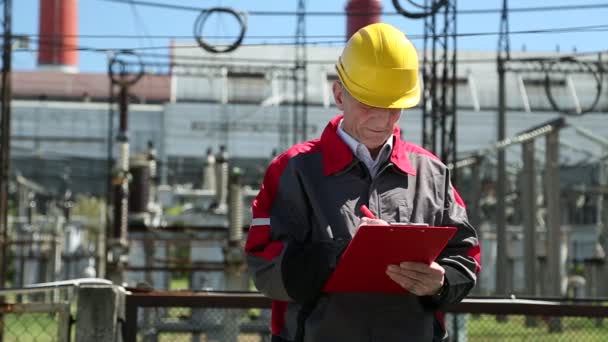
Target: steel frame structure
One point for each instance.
(439, 82)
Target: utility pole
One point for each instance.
(502, 263)
(300, 78)
(110, 168)
(117, 239)
(118, 245)
(5, 147)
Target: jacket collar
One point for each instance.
(337, 155)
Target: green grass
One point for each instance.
(486, 328)
(179, 284)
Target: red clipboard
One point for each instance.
(362, 267)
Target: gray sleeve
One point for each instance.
(279, 216)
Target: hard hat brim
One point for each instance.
(375, 97)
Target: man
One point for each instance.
(308, 209)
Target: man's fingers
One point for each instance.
(404, 281)
(412, 285)
(416, 266)
(432, 269)
(367, 220)
(413, 281)
(419, 276)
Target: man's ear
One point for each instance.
(338, 94)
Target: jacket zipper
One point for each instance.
(378, 208)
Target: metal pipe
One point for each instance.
(476, 189)
(5, 145)
(524, 93)
(502, 263)
(110, 167)
(43, 287)
(473, 91)
(572, 88)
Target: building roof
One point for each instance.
(84, 86)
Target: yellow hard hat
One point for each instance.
(379, 67)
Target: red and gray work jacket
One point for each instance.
(318, 186)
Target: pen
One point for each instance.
(365, 211)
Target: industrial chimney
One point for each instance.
(58, 31)
(360, 13)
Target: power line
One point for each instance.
(573, 29)
(139, 21)
(126, 36)
(587, 28)
(489, 60)
(537, 9)
(319, 13)
(183, 61)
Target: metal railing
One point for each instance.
(41, 312)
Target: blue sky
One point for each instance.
(98, 17)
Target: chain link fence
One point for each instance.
(231, 317)
(36, 322)
(41, 327)
(237, 325)
(43, 312)
(480, 328)
(201, 324)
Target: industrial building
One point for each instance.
(243, 100)
(241, 106)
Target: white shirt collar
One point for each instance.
(361, 151)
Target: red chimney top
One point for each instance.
(356, 20)
(58, 35)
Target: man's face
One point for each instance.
(371, 126)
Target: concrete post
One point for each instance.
(528, 202)
(99, 309)
(234, 258)
(603, 223)
(209, 320)
(554, 230)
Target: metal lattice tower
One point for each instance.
(300, 115)
(439, 78)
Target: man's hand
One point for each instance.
(418, 278)
(367, 220)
